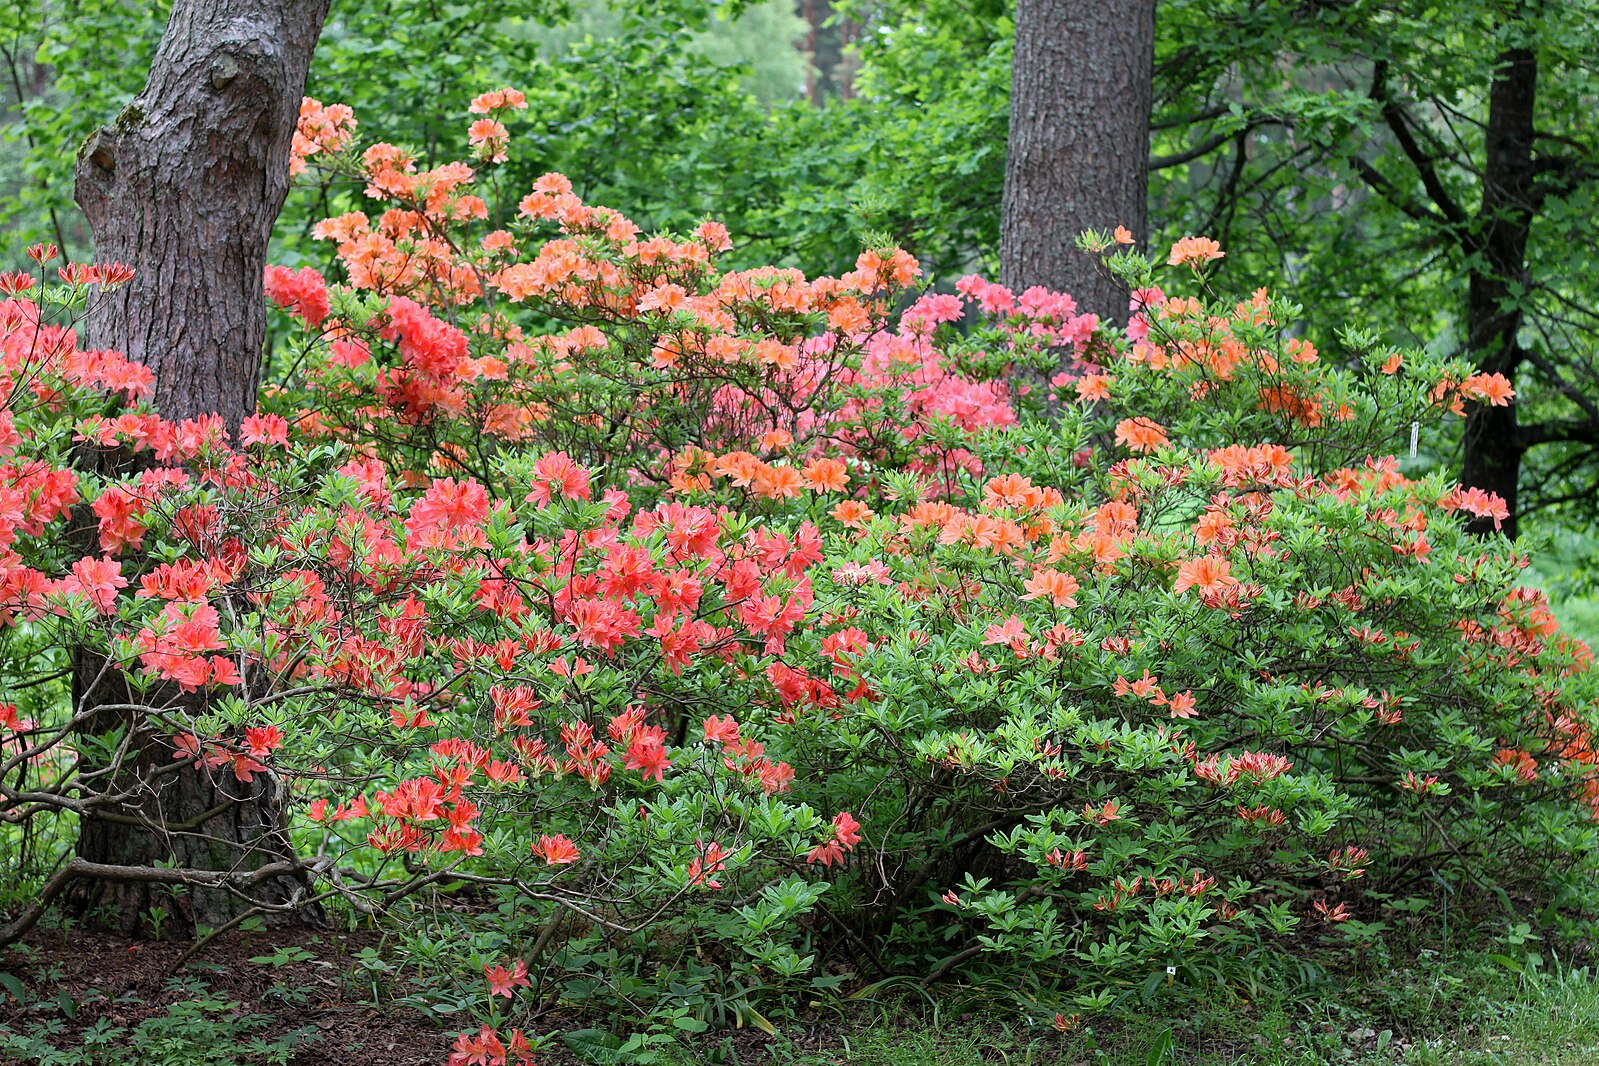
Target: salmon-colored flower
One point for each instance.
(826, 475)
(852, 513)
(504, 982)
(1093, 387)
(1193, 251)
(1493, 389)
(1209, 574)
(556, 850)
(498, 100)
(489, 140)
(1060, 588)
(1141, 434)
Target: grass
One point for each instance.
(1554, 1022)
(1543, 1020)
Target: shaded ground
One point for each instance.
(282, 997)
(113, 982)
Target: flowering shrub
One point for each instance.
(691, 624)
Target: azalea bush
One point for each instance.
(714, 636)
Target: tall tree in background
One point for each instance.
(1078, 156)
(1460, 159)
(1495, 243)
(830, 72)
(185, 186)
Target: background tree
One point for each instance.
(1459, 159)
(1078, 152)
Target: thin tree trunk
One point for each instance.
(1078, 155)
(185, 187)
(1493, 442)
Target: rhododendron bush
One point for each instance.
(722, 634)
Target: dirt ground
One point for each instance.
(126, 981)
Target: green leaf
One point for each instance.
(595, 1045)
(1160, 1050)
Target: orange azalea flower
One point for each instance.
(1060, 588)
(1282, 399)
(775, 440)
(683, 481)
(342, 228)
(1011, 490)
(848, 316)
(1194, 250)
(774, 353)
(1207, 573)
(1263, 462)
(489, 139)
(852, 513)
(666, 298)
(1115, 517)
(1302, 351)
(498, 100)
(778, 482)
(742, 467)
(1122, 235)
(1212, 526)
(1181, 705)
(1495, 389)
(1094, 387)
(1447, 392)
(665, 354)
(556, 850)
(1141, 434)
(931, 514)
(826, 475)
(715, 236)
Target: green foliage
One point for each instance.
(200, 1030)
(72, 65)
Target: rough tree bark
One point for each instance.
(1078, 154)
(184, 187)
(1494, 445)
(173, 814)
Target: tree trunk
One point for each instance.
(174, 815)
(1078, 156)
(185, 187)
(1493, 441)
